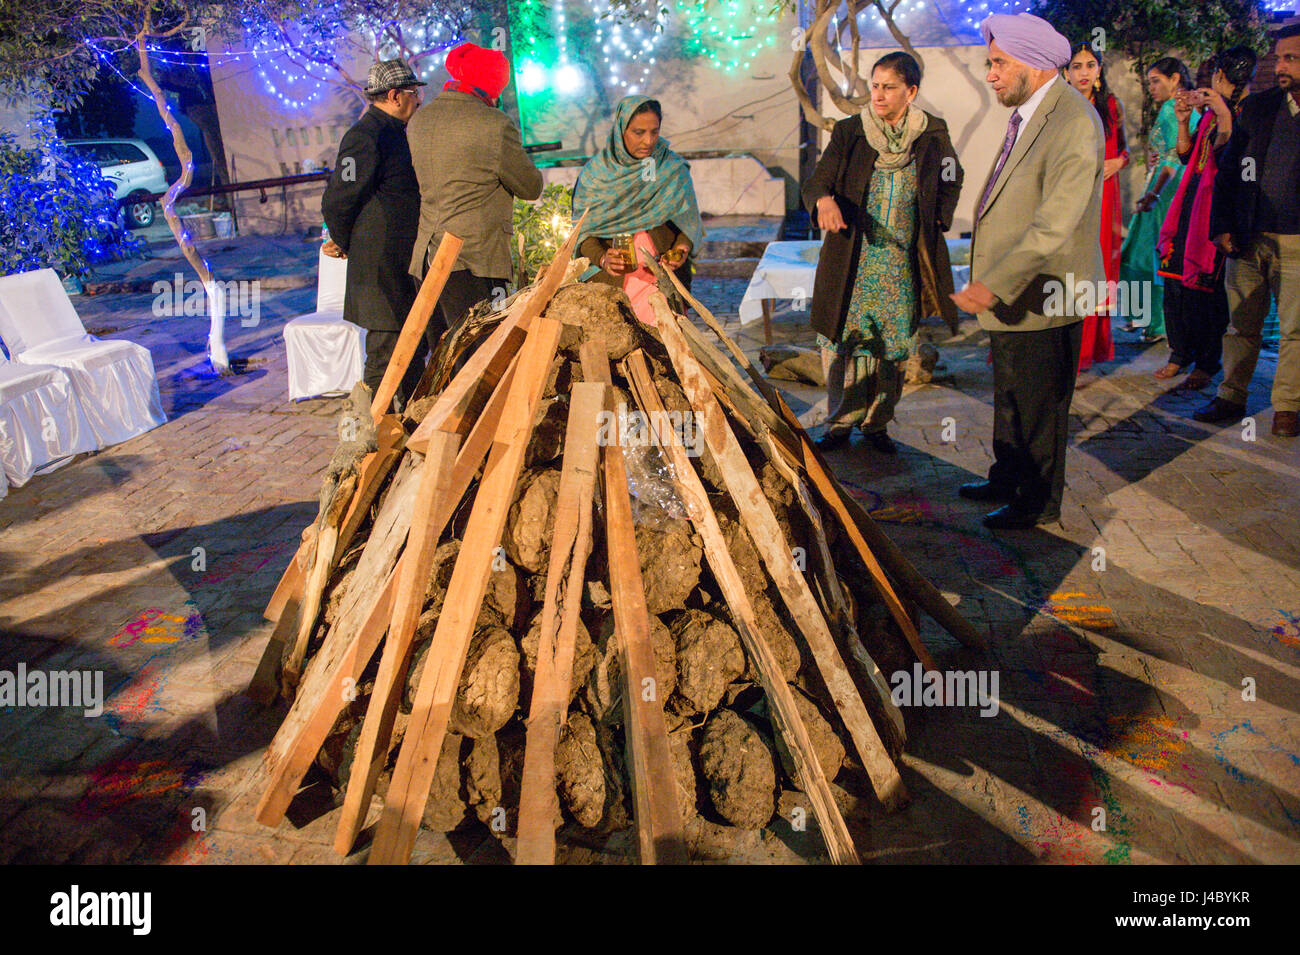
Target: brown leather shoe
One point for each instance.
(1286, 424)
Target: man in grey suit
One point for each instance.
(471, 164)
(1036, 265)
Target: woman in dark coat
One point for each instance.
(884, 192)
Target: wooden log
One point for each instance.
(372, 471)
(757, 516)
(319, 700)
(381, 712)
(327, 540)
(417, 320)
(872, 544)
(440, 678)
(570, 548)
(408, 602)
(344, 660)
(785, 712)
(660, 829)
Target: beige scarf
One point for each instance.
(893, 145)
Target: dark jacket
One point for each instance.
(1235, 207)
(844, 171)
(372, 208)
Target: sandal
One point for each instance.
(1169, 371)
(1197, 380)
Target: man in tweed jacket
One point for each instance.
(470, 162)
(1036, 249)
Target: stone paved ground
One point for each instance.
(1121, 637)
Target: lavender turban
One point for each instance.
(1027, 38)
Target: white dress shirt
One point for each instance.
(1027, 108)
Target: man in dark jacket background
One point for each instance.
(1255, 219)
(371, 208)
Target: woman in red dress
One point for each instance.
(1085, 73)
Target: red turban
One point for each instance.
(475, 69)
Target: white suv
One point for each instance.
(133, 169)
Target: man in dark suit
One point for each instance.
(471, 165)
(1036, 243)
(371, 208)
(1255, 219)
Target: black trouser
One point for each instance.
(1195, 322)
(1033, 381)
(462, 292)
(379, 350)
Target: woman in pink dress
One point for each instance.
(1086, 74)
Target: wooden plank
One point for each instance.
(785, 712)
(878, 552)
(287, 598)
(481, 370)
(417, 320)
(344, 660)
(829, 583)
(757, 515)
(570, 548)
(440, 678)
(316, 705)
(408, 602)
(381, 712)
(477, 378)
(660, 829)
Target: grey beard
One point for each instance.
(1018, 93)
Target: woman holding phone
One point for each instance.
(1196, 302)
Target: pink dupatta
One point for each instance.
(1200, 256)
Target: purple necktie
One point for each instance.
(1007, 144)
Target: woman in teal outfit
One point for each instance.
(1138, 256)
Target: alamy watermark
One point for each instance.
(919, 687)
(177, 297)
(636, 429)
(78, 689)
(1131, 298)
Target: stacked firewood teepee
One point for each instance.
(594, 577)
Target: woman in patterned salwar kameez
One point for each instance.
(884, 192)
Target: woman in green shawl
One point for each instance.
(636, 186)
(1138, 263)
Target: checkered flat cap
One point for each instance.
(388, 75)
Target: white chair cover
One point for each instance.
(42, 424)
(327, 355)
(113, 380)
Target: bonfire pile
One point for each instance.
(595, 579)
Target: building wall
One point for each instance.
(266, 138)
(705, 109)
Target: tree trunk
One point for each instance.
(216, 305)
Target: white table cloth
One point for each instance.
(785, 271)
(42, 424)
(327, 355)
(113, 380)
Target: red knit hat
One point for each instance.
(476, 69)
